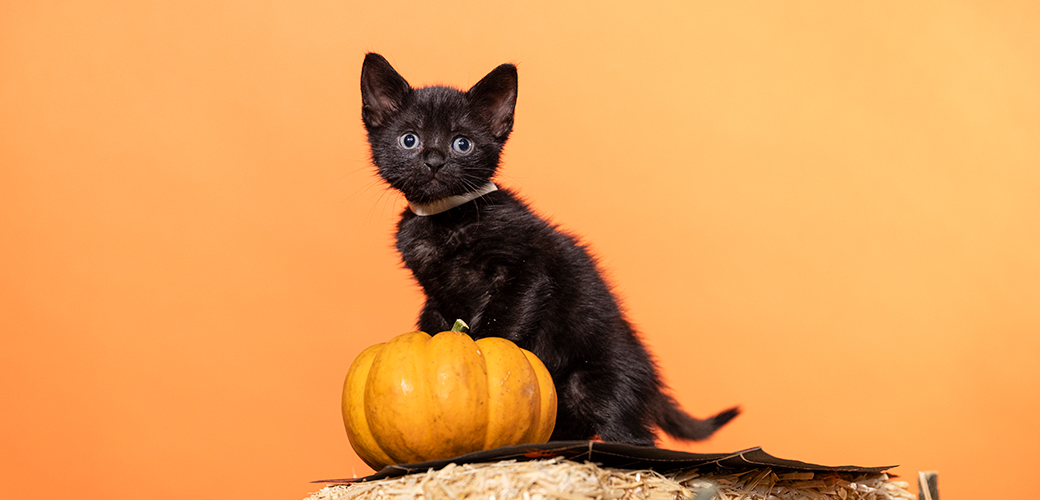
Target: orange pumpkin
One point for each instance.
(418, 398)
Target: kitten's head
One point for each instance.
(435, 142)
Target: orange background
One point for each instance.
(826, 212)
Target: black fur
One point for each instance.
(495, 264)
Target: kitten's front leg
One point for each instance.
(511, 312)
(474, 309)
(431, 320)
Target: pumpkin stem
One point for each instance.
(460, 326)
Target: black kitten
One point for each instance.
(481, 255)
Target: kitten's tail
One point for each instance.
(677, 423)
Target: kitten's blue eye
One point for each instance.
(462, 144)
(408, 140)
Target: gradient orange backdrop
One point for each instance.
(826, 212)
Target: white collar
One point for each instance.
(445, 204)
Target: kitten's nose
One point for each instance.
(434, 160)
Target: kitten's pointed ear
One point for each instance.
(495, 98)
(382, 90)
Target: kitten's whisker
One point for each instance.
(510, 180)
(364, 188)
(382, 202)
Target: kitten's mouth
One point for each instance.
(424, 189)
(433, 188)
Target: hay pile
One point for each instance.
(557, 478)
